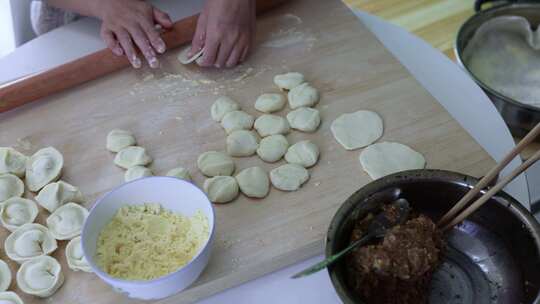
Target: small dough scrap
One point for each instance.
(386, 158)
(16, 212)
(269, 124)
(137, 172)
(237, 120)
(131, 157)
(75, 256)
(40, 277)
(270, 102)
(67, 221)
(304, 153)
(242, 143)
(304, 119)
(9, 297)
(42, 168)
(29, 241)
(221, 189)
(272, 148)
(289, 177)
(222, 106)
(5, 277)
(358, 129)
(214, 163)
(181, 173)
(289, 81)
(56, 194)
(253, 182)
(10, 186)
(119, 139)
(183, 55)
(303, 95)
(12, 162)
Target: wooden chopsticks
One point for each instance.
(451, 218)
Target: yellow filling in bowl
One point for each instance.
(144, 242)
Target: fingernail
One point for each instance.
(153, 62)
(136, 62)
(161, 46)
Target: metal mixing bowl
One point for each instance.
(519, 117)
(493, 257)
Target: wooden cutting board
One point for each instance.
(168, 110)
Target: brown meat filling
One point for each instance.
(397, 270)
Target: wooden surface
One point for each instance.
(168, 110)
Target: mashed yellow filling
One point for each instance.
(145, 242)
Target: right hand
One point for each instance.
(131, 24)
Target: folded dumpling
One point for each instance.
(29, 241)
(67, 221)
(40, 277)
(16, 212)
(42, 168)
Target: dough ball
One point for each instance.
(288, 81)
(242, 143)
(271, 102)
(304, 153)
(119, 139)
(358, 129)
(10, 186)
(386, 158)
(56, 194)
(303, 95)
(253, 182)
(269, 124)
(12, 162)
(214, 163)
(221, 189)
(289, 177)
(131, 157)
(237, 120)
(222, 106)
(180, 173)
(136, 172)
(272, 148)
(185, 59)
(42, 168)
(304, 119)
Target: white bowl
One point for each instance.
(173, 194)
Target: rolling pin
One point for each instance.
(94, 66)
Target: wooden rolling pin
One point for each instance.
(94, 66)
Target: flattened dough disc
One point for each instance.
(358, 129)
(183, 55)
(385, 158)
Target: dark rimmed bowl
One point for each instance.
(493, 257)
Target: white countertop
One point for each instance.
(464, 100)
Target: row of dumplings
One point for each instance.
(29, 243)
(242, 141)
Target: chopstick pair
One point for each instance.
(452, 218)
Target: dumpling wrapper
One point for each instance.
(16, 212)
(42, 168)
(57, 194)
(9, 297)
(10, 186)
(12, 161)
(75, 256)
(185, 59)
(40, 277)
(67, 221)
(357, 130)
(29, 241)
(5, 277)
(386, 158)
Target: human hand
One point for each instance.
(226, 31)
(130, 23)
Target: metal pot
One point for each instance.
(494, 257)
(519, 117)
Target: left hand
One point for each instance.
(226, 31)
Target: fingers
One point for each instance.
(225, 50)
(162, 18)
(111, 42)
(157, 43)
(235, 56)
(127, 44)
(211, 47)
(245, 53)
(141, 40)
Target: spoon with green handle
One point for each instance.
(376, 229)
